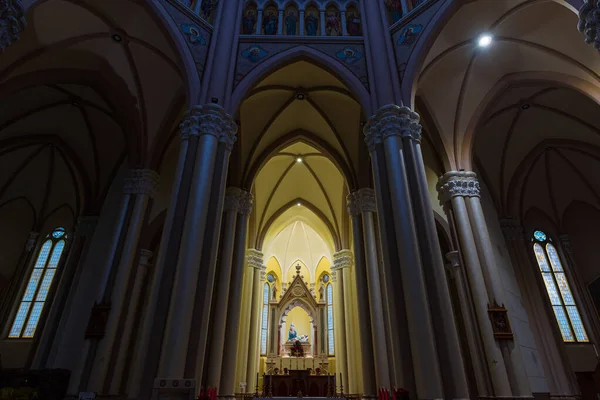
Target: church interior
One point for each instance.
(347, 199)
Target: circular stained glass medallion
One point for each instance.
(539, 235)
(271, 278)
(58, 233)
(326, 278)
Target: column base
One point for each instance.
(174, 389)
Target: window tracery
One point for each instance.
(330, 333)
(265, 316)
(558, 289)
(38, 286)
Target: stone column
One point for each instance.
(210, 124)
(259, 18)
(227, 386)
(139, 279)
(344, 24)
(350, 382)
(589, 22)
(366, 200)
(280, 22)
(255, 261)
(384, 130)
(451, 361)
(219, 318)
(301, 17)
(140, 186)
(12, 22)
(342, 259)
(243, 347)
(471, 332)
(152, 318)
(362, 296)
(456, 188)
(322, 24)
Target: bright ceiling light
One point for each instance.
(485, 40)
(299, 159)
(298, 204)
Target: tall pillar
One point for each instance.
(477, 358)
(211, 125)
(342, 259)
(146, 353)
(227, 386)
(344, 23)
(366, 200)
(451, 361)
(244, 348)
(139, 279)
(255, 261)
(219, 317)
(362, 295)
(459, 189)
(140, 186)
(322, 24)
(351, 381)
(589, 22)
(383, 132)
(12, 22)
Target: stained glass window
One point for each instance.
(39, 285)
(264, 320)
(558, 289)
(330, 342)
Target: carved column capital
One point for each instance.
(589, 22)
(458, 183)
(12, 22)
(392, 120)
(232, 199)
(31, 240)
(141, 181)
(254, 258)
(342, 259)
(333, 276)
(511, 228)
(209, 119)
(361, 201)
(86, 226)
(246, 201)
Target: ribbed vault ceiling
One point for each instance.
(300, 111)
(80, 96)
(537, 36)
(539, 147)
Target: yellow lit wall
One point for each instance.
(274, 268)
(291, 274)
(323, 267)
(301, 321)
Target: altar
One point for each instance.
(299, 381)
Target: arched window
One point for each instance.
(40, 282)
(264, 321)
(558, 289)
(330, 342)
